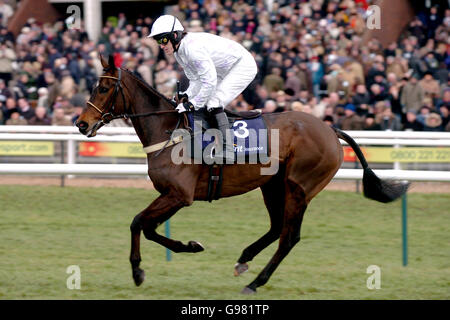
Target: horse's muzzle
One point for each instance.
(82, 126)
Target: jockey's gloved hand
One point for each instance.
(180, 98)
(183, 97)
(185, 107)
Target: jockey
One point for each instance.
(218, 70)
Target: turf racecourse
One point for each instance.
(43, 230)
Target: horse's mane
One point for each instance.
(146, 86)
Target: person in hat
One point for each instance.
(218, 70)
(387, 120)
(412, 95)
(430, 85)
(351, 121)
(370, 124)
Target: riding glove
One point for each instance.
(180, 98)
(185, 107)
(183, 97)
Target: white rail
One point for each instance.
(140, 169)
(67, 137)
(127, 134)
(134, 138)
(64, 129)
(129, 130)
(76, 169)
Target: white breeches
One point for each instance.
(232, 85)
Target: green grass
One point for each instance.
(43, 230)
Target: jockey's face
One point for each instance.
(165, 44)
(168, 48)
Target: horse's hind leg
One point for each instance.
(148, 220)
(295, 206)
(273, 193)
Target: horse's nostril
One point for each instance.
(82, 125)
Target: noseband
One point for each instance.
(107, 117)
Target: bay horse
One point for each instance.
(309, 155)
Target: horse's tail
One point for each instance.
(374, 187)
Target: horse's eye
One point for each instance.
(103, 90)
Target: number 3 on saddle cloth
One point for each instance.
(249, 141)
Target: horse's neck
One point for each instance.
(151, 129)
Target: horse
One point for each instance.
(309, 156)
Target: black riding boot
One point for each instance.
(224, 127)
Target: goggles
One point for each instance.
(164, 40)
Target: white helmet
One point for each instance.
(165, 24)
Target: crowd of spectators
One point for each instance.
(309, 54)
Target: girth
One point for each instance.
(215, 182)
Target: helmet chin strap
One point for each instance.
(175, 44)
(172, 36)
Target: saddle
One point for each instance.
(251, 114)
(207, 121)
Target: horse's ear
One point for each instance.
(103, 61)
(111, 62)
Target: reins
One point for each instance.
(154, 113)
(108, 116)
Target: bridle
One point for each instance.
(107, 117)
(107, 114)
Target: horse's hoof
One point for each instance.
(240, 268)
(138, 276)
(195, 246)
(248, 290)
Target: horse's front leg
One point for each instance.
(148, 220)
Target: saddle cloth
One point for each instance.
(250, 135)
